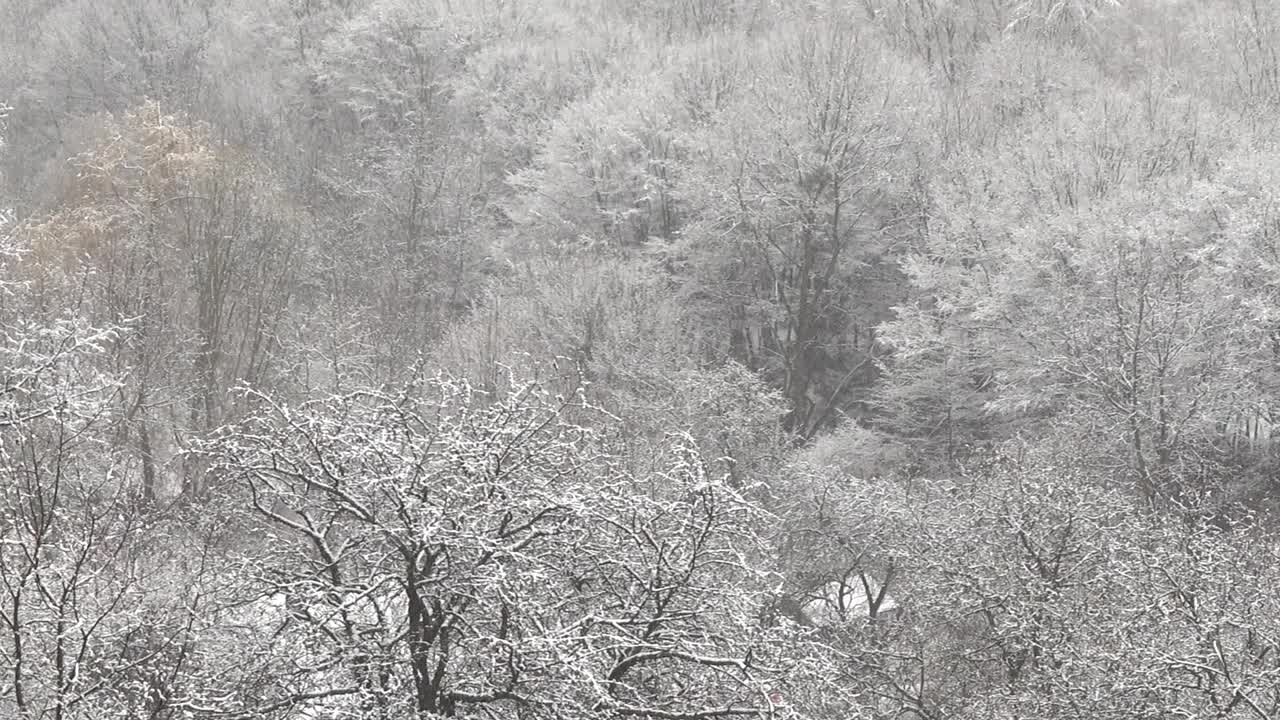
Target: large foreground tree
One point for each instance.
(440, 551)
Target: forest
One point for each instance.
(652, 359)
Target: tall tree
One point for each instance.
(799, 185)
(193, 243)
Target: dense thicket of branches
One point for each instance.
(661, 359)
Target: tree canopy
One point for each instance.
(668, 360)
